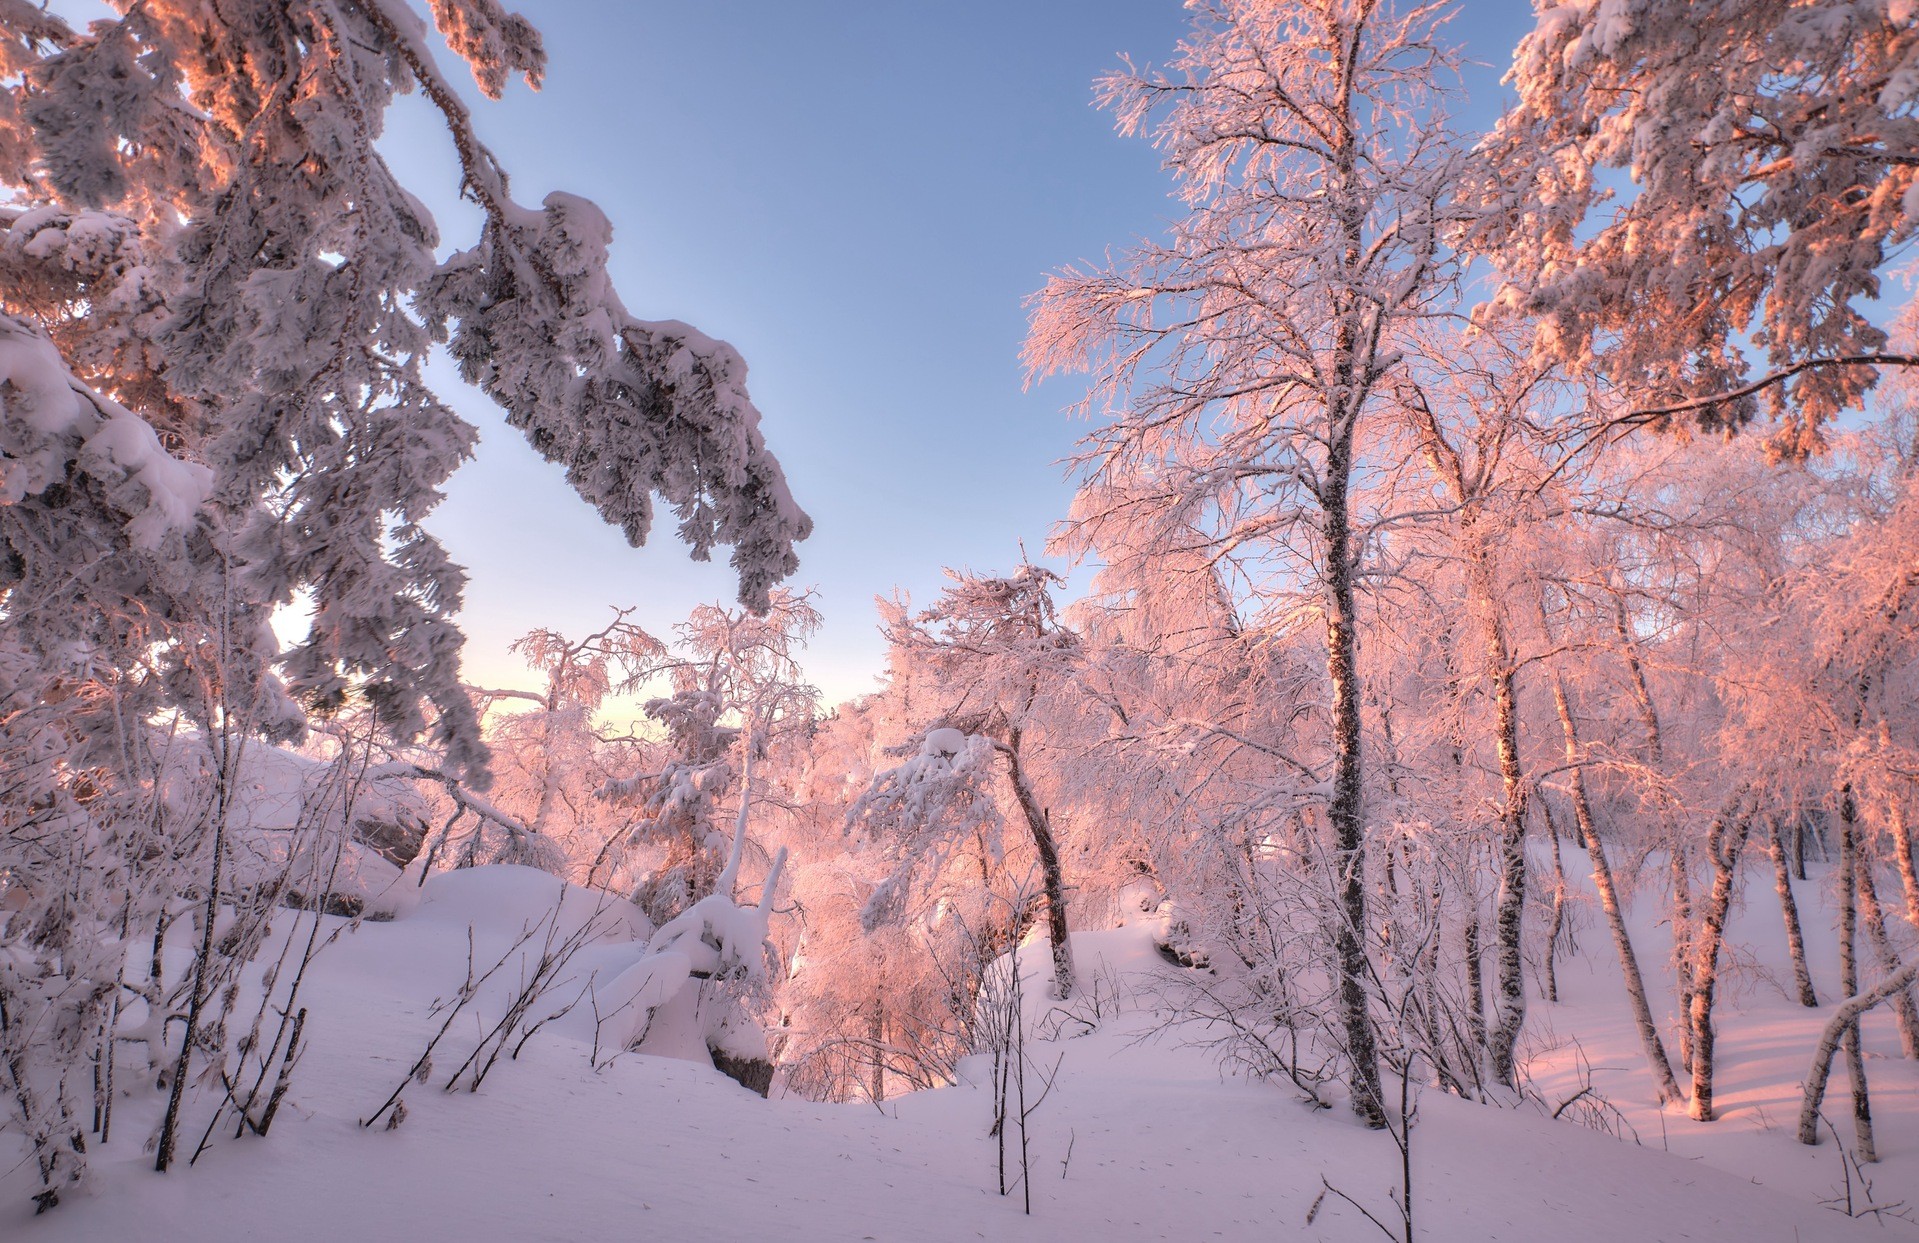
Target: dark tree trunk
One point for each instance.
(1052, 876)
(1475, 980)
(1665, 1083)
(1863, 1147)
(1509, 908)
(1344, 810)
(1795, 941)
(1723, 843)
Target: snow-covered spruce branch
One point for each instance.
(538, 281)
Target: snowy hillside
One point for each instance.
(1141, 1138)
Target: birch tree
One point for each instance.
(1471, 421)
(1245, 360)
(735, 693)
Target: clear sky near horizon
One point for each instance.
(857, 196)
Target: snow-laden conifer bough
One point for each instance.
(216, 302)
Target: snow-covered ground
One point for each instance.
(1140, 1139)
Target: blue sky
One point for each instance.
(858, 197)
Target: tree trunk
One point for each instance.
(1903, 858)
(549, 764)
(1052, 876)
(1393, 847)
(1509, 909)
(1849, 974)
(1344, 809)
(1558, 925)
(1665, 1084)
(1843, 1020)
(1681, 921)
(1475, 985)
(1641, 693)
(1476, 549)
(876, 1037)
(1723, 843)
(1795, 942)
(1681, 941)
(1903, 1009)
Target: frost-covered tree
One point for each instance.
(937, 809)
(887, 932)
(1197, 734)
(549, 759)
(1824, 691)
(202, 227)
(1472, 420)
(737, 698)
(579, 675)
(1248, 358)
(990, 665)
(1697, 200)
(216, 301)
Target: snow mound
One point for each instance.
(506, 897)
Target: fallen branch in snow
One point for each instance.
(1587, 1106)
(461, 796)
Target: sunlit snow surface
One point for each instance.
(1142, 1138)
